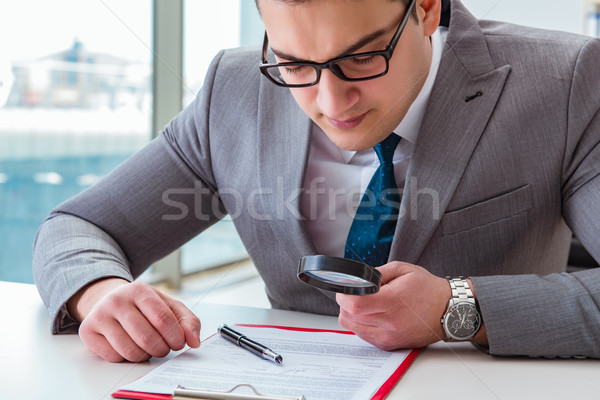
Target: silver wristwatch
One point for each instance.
(462, 320)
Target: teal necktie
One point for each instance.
(372, 230)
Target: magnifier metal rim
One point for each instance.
(340, 265)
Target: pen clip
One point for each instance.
(191, 393)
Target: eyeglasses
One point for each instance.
(354, 67)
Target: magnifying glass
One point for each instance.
(340, 275)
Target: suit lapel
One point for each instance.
(464, 96)
(283, 148)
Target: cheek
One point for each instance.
(404, 82)
(400, 78)
(306, 98)
(409, 66)
(378, 92)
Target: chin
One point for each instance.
(350, 142)
(356, 139)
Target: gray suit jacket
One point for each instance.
(496, 186)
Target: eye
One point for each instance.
(294, 70)
(363, 60)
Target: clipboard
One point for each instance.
(139, 389)
(182, 393)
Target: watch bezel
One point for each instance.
(453, 305)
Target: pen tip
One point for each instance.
(279, 359)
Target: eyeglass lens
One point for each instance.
(350, 68)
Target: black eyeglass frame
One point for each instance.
(330, 65)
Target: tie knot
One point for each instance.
(385, 150)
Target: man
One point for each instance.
(505, 168)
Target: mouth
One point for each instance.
(347, 123)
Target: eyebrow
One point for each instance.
(349, 50)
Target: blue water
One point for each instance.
(25, 203)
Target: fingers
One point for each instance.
(141, 333)
(136, 322)
(404, 313)
(352, 321)
(374, 334)
(98, 344)
(395, 283)
(372, 304)
(394, 270)
(360, 305)
(382, 301)
(158, 326)
(366, 316)
(113, 345)
(187, 321)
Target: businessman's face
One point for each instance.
(355, 115)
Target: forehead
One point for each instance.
(318, 29)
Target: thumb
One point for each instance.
(393, 270)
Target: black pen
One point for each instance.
(254, 347)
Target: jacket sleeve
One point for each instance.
(150, 205)
(559, 314)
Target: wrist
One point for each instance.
(481, 336)
(446, 295)
(81, 303)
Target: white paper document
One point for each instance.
(316, 364)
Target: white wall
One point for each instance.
(564, 15)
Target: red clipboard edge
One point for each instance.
(127, 394)
(387, 387)
(292, 328)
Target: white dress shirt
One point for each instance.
(336, 179)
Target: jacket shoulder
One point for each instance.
(530, 43)
(239, 62)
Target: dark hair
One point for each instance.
(297, 2)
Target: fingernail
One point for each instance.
(196, 333)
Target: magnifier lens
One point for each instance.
(340, 279)
(339, 275)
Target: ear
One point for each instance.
(429, 12)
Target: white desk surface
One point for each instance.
(37, 365)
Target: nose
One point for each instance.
(335, 96)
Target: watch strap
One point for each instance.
(461, 289)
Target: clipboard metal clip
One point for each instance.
(183, 393)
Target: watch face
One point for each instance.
(462, 321)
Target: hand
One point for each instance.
(406, 311)
(133, 321)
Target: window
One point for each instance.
(75, 100)
(563, 15)
(592, 18)
(210, 26)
